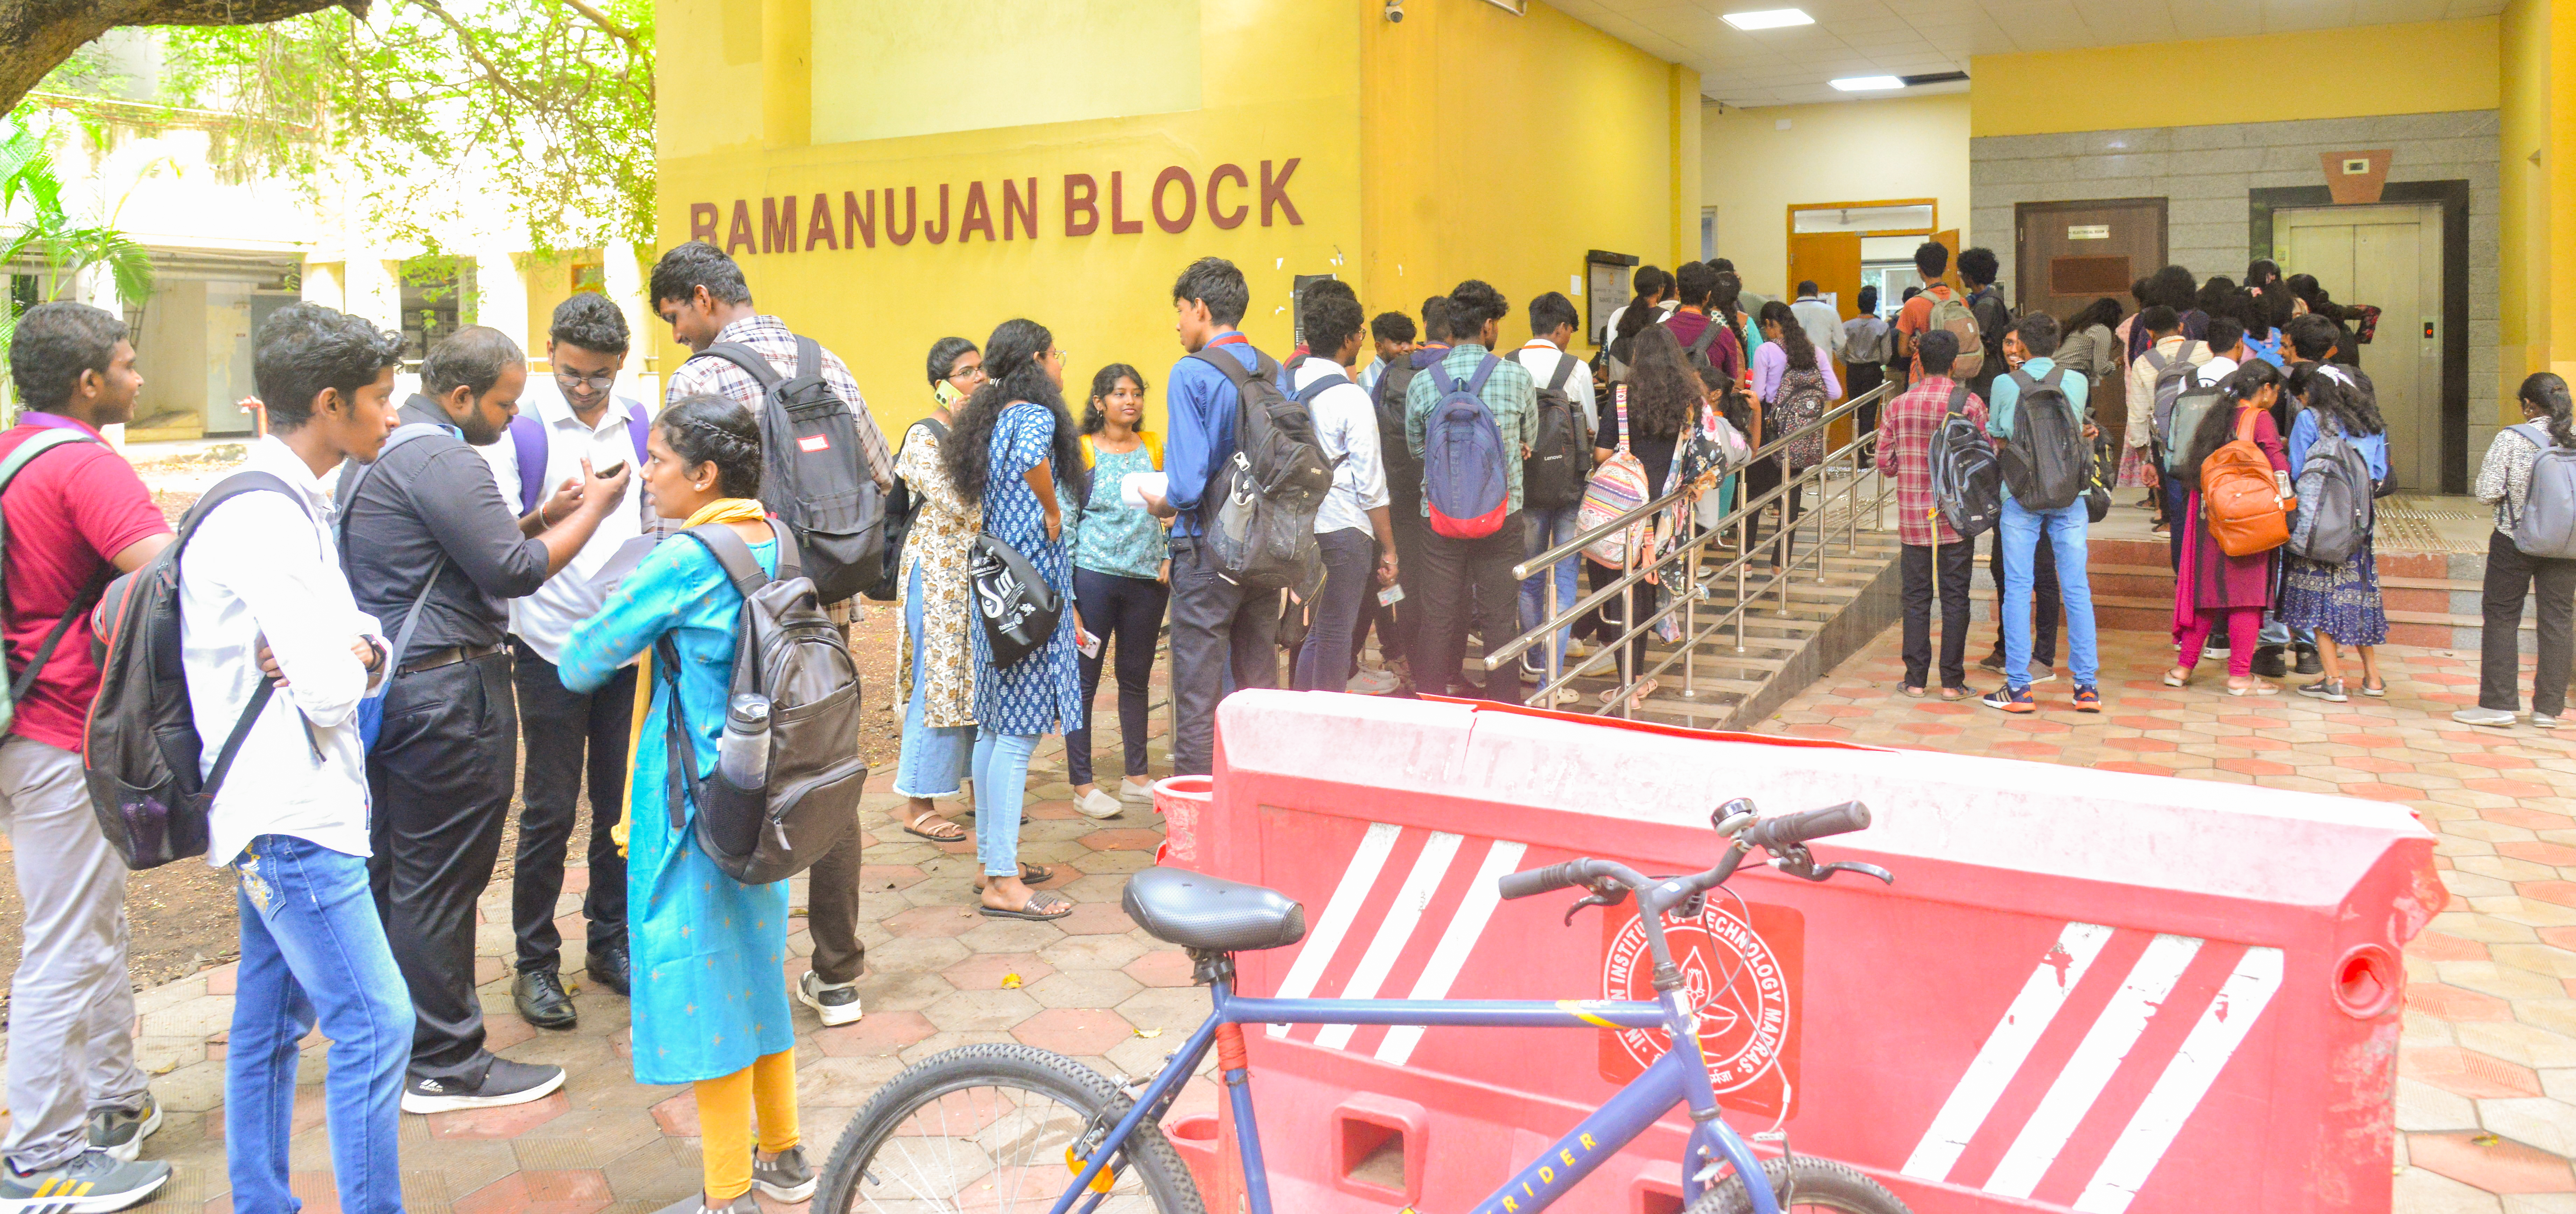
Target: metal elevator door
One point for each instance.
(2388, 254)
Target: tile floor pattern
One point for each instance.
(2486, 1089)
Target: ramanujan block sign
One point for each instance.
(1008, 210)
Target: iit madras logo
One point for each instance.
(1742, 976)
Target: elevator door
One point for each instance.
(2390, 255)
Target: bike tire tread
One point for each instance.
(1821, 1182)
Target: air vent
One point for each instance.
(1933, 78)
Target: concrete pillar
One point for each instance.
(322, 284)
(622, 280)
(2558, 160)
(501, 299)
(372, 288)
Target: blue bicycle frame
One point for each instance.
(1680, 1077)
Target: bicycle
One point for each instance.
(935, 1138)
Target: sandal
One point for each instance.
(1910, 690)
(1042, 906)
(2377, 692)
(913, 828)
(2177, 676)
(1954, 693)
(1030, 874)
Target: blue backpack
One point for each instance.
(1462, 461)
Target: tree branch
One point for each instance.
(37, 35)
(465, 41)
(634, 42)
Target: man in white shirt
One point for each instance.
(1394, 334)
(1351, 526)
(1822, 321)
(261, 592)
(564, 417)
(1552, 323)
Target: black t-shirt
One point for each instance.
(1655, 453)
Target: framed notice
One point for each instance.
(1297, 306)
(1605, 276)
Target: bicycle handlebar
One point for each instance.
(1547, 880)
(1773, 834)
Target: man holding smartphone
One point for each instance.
(564, 416)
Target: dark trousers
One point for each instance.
(2049, 605)
(1760, 477)
(1350, 559)
(1612, 618)
(566, 733)
(1396, 623)
(1916, 565)
(440, 778)
(832, 913)
(1217, 628)
(1453, 570)
(2177, 498)
(1861, 378)
(1126, 613)
(2511, 577)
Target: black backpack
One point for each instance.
(1994, 319)
(1560, 459)
(899, 509)
(1261, 523)
(2047, 463)
(812, 475)
(787, 651)
(1403, 467)
(1967, 483)
(140, 751)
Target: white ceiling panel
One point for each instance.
(1923, 37)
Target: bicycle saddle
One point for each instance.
(1202, 912)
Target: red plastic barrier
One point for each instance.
(2087, 990)
(1182, 801)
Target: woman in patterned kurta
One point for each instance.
(2340, 602)
(935, 670)
(1012, 443)
(710, 1005)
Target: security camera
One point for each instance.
(1395, 10)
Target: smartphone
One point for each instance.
(1086, 643)
(1390, 596)
(608, 469)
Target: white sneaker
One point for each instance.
(1372, 683)
(836, 1005)
(2493, 718)
(1136, 792)
(2542, 720)
(1097, 804)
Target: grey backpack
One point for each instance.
(786, 650)
(2336, 513)
(2545, 527)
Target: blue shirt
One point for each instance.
(2303, 435)
(1202, 403)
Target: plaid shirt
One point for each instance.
(1509, 394)
(771, 338)
(1905, 433)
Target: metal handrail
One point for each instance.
(1690, 550)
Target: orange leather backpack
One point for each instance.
(2247, 512)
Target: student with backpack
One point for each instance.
(2157, 377)
(1865, 348)
(1122, 579)
(1398, 622)
(2529, 475)
(711, 1004)
(1222, 630)
(1985, 303)
(1918, 316)
(1664, 398)
(1352, 527)
(1471, 420)
(1934, 559)
(935, 663)
(2046, 448)
(1707, 331)
(2050, 612)
(1392, 333)
(2339, 600)
(2212, 586)
(1014, 443)
(272, 639)
(76, 515)
(432, 550)
(1792, 383)
(564, 417)
(1558, 467)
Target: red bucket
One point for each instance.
(1183, 802)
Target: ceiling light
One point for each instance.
(1863, 84)
(1768, 19)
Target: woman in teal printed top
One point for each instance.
(710, 1004)
(1121, 580)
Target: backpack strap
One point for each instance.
(734, 554)
(353, 475)
(2245, 423)
(223, 491)
(1306, 396)
(528, 444)
(1621, 396)
(809, 358)
(638, 424)
(1958, 399)
(1235, 372)
(34, 445)
(751, 360)
(1707, 337)
(1564, 371)
(1476, 386)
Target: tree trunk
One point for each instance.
(35, 35)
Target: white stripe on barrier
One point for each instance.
(2213, 1040)
(2006, 1049)
(1465, 928)
(1358, 878)
(1395, 931)
(2078, 1086)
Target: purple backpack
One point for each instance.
(528, 440)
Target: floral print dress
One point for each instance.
(943, 528)
(1040, 693)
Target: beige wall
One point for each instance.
(1851, 151)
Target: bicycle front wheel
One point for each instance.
(1807, 1184)
(986, 1128)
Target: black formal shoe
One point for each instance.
(2309, 662)
(542, 1001)
(2268, 662)
(611, 970)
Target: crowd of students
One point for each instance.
(407, 597)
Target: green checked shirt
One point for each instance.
(1509, 394)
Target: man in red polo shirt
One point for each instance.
(76, 515)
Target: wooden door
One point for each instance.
(1949, 240)
(1831, 260)
(2389, 255)
(2068, 254)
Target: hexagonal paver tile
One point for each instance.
(1081, 1032)
(1092, 952)
(1085, 988)
(1123, 839)
(568, 1192)
(1096, 919)
(994, 971)
(946, 920)
(1162, 967)
(877, 1033)
(2467, 1072)
(507, 1122)
(960, 1011)
(678, 1116)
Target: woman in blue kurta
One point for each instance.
(710, 1005)
(1012, 442)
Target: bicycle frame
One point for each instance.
(1680, 1077)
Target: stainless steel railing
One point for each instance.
(1686, 555)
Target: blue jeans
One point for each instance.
(1350, 576)
(933, 761)
(2021, 530)
(312, 949)
(1546, 529)
(1001, 785)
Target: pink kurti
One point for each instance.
(2211, 580)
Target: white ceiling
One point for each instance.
(1917, 37)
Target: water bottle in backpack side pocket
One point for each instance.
(742, 755)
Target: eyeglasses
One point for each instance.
(600, 382)
(966, 373)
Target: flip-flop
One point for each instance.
(961, 836)
(1029, 909)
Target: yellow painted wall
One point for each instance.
(2343, 73)
(1851, 151)
(2523, 256)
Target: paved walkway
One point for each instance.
(2486, 1094)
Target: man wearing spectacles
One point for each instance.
(564, 418)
